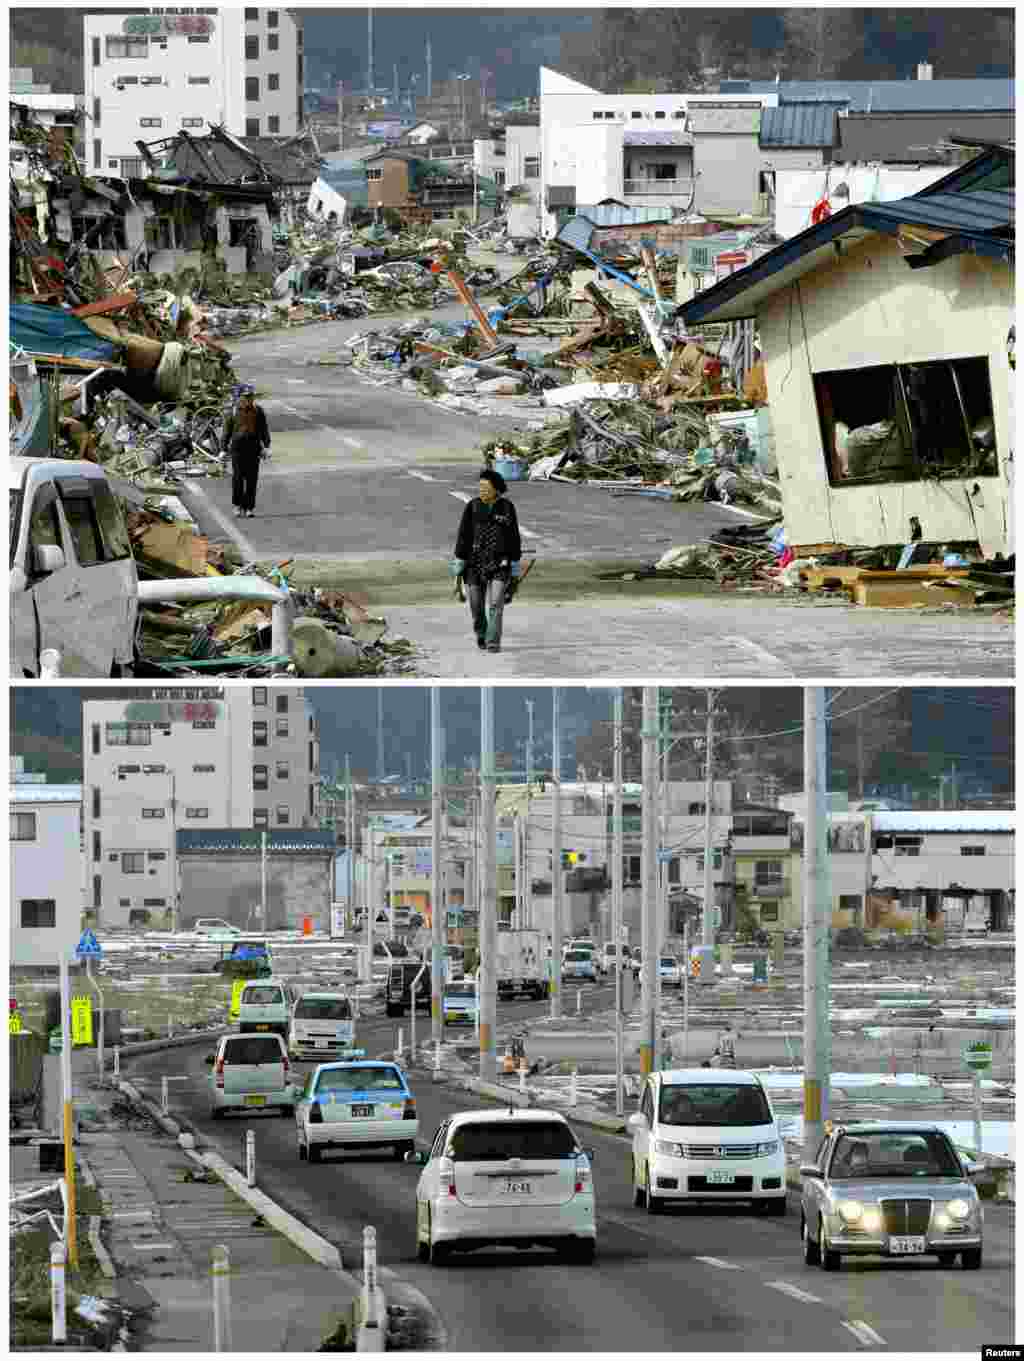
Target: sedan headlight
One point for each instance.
(850, 1210)
(958, 1209)
(762, 1150)
(666, 1146)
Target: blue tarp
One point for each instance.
(49, 330)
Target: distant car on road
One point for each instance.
(364, 1104)
(459, 1002)
(250, 1072)
(579, 964)
(890, 1191)
(505, 1179)
(216, 928)
(670, 971)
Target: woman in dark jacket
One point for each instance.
(246, 435)
(487, 553)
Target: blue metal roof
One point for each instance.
(250, 839)
(619, 215)
(799, 125)
(982, 210)
(888, 96)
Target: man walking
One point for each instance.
(487, 553)
(246, 435)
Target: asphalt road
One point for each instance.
(365, 489)
(709, 1279)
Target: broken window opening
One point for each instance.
(907, 422)
(104, 231)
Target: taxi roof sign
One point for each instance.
(88, 947)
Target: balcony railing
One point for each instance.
(656, 188)
(769, 888)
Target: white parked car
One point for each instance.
(364, 1104)
(323, 1027)
(703, 1134)
(505, 1179)
(670, 971)
(579, 964)
(250, 1072)
(216, 928)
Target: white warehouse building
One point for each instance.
(149, 76)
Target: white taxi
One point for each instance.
(362, 1104)
(510, 1179)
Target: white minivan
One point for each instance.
(73, 583)
(266, 1004)
(323, 1027)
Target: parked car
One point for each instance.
(670, 971)
(890, 1191)
(706, 1135)
(322, 1026)
(363, 1104)
(266, 1004)
(250, 1072)
(505, 1179)
(398, 997)
(579, 964)
(254, 953)
(460, 1003)
(216, 928)
(74, 589)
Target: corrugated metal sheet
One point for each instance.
(982, 210)
(619, 215)
(799, 125)
(893, 96)
(670, 137)
(954, 821)
(576, 233)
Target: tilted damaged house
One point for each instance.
(884, 331)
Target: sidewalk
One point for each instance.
(159, 1229)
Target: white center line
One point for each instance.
(423, 477)
(717, 1261)
(303, 381)
(151, 1247)
(761, 653)
(795, 1291)
(863, 1332)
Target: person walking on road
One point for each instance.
(487, 553)
(246, 435)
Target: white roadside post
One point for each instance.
(371, 1317)
(58, 1293)
(250, 1157)
(574, 1088)
(163, 1095)
(221, 1272)
(412, 1011)
(686, 994)
(117, 1062)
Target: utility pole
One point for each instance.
(556, 860)
(350, 830)
(430, 71)
(649, 880)
(817, 920)
(437, 906)
(341, 115)
(380, 735)
(396, 83)
(370, 79)
(487, 977)
(617, 893)
(707, 921)
(527, 886)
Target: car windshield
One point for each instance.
(253, 1049)
(458, 991)
(723, 1104)
(893, 1154)
(383, 1079)
(261, 997)
(511, 1139)
(667, 962)
(575, 956)
(323, 1009)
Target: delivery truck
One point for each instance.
(521, 964)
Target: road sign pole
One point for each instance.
(71, 1234)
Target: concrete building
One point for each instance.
(46, 867)
(174, 759)
(58, 113)
(223, 873)
(151, 75)
(523, 200)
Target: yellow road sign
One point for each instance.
(14, 1023)
(81, 1020)
(236, 996)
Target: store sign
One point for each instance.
(81, 1020)
(162, 25)
(173, 711)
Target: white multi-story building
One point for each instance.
(148, 76)
(176, 760)
(46, 868)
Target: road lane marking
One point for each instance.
(794, 1291)
(297, 380)
(717, 1261)
(353, 443)
(152, 1247)
(863, 1332)
(761, 653)
(248, 552)
(423, 477)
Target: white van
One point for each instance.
(266, 1004)
(73, 583)
(322, 1027)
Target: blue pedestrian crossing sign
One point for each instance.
(88, 947)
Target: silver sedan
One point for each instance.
(892, 1191)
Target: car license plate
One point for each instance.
(261, 1026)
(721, 1178)
(906, 1246)
(361, 1111)
(518, 1188)
(255, 1100)
(322, 1044)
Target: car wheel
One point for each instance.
(437, 1253)
(216, 1113)
(811, 1254)
(302, 1152)
(971, 1259)
(313, 1153)
(285, 1111)
(580, 1251)
(389, 1010)
(829, 1257)
(638, 1190)
(774, 1205)
(946, 1258)
(401, 1150)
(655, 1204)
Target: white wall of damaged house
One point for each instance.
(864, 308)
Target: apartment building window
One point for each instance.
(203, 39)
(261, 817)
(273, 123)
(95, 51)
(696, 810)
(156, 855)
(154, 812)
(260, 777)
(97, 846)
(199, 80)
(129, 735)
(151, 80)
(96, 110)
(375, 173)
(972, 850)
(259, 694)
(38, 912)
(154, 902)
(281, 704)
(151, 122)
(252, 89)
(283, 814)
(259, 732)
(122, 771)
(271, 18)
(95, 739)
(906, 845)
(531, 167)
(122, 81)
(630, 869)
(281, 727)
(97, 892)
(312, 757)
(273, 42)
(767, 875)
(273, 82)
(197, 812)
(203, 770)
(252, 127)
(252, 16)
(636, 114)
(133, 862)
(96, 801)
(192, 122)
(282, 770)
(660, 113)
(126, 47)
(97, 152)
(23, 826)
(252, 48)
